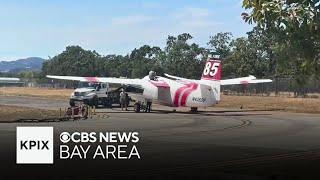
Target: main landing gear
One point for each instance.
(142, 106)
(194, 109)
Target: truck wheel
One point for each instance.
(137, 107)
(71, 102)
(104, 102)
(107, 103)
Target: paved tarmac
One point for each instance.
(216, 143)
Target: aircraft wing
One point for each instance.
(180, 78)
(72, 78)
(132, 82)
(244, 80)
(138, 83)
(176, 77)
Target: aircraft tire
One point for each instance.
(194, 109)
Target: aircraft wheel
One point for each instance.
(194, 109)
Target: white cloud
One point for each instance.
(131, 20)
(191, 12)
(195, 18)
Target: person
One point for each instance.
(123, 102)
(152, 75)
(149, 103)
(127, 100)
(98, 87)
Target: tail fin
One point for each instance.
(212, 70)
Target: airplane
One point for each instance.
(176, 91)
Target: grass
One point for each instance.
(307, 105)
(13, 113)
(36, 92)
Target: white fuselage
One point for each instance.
(182, 93)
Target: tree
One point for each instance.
(184, 59)
(144, 59)
(220, 43)
(295, 27)
(74, 61)
(296, 24)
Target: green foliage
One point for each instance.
(294, 28)
(74, 61)
(220, 43)
(241, 57)
(143, 60)
(184, 59)
(263, 54)
(179, 58)
(245, 59)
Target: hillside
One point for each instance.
(31, 63)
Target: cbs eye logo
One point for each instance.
(65, 137)
(78, 137)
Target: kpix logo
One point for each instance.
(34, 145)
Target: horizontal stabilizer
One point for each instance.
(244, 80)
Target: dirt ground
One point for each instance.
(244, 144)
(13, 113)
(36, 92)
(307, 105)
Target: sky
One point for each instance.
(43, 28)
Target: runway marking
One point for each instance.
(244, 123)
(100, 116)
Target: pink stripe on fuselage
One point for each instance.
(178, 93)
(185, 95)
